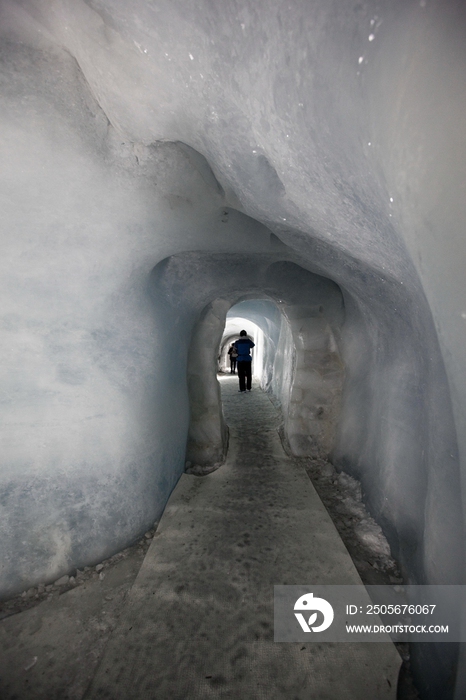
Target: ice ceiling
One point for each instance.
(163, 161)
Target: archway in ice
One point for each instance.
(296, 358)
(300, 312)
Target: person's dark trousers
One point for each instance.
(244, 375)
(232, 365)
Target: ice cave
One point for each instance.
(174, 171)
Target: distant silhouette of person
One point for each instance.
(243, 347)
(233, 352)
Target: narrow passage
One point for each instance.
(199, 619)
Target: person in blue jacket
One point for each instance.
(243, 363)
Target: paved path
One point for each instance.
(199, 621)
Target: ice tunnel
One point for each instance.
(170, 166)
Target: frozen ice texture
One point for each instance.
(144, 193)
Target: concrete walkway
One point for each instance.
(199, 620)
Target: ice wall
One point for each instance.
(95, 405)
(208, 433)
(339, 128)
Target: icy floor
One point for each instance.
(363, 537)
(103, 588)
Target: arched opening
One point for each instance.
(296, 318)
